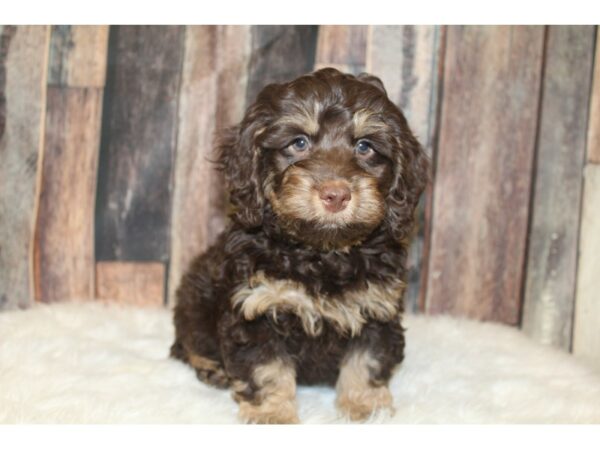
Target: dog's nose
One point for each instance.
(335, 195)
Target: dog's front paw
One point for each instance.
(269, 413)
(359, 404)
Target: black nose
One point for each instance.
(335, 195)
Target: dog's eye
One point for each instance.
(299, 144)
(363, 149)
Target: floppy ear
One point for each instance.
(372, 80)
(411, 175)
(239, 161)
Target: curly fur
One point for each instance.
(289, 284)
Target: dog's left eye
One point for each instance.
(363, 149)
(299, 144)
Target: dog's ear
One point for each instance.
(238, 159)
(372, 80)
(411, 175)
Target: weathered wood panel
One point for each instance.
(343, 47)
(279, 53)
(552, 254)
(64, 243)
(78, 55)
(586, 332)
(23, 68)
(593, 151)
(483, 176)
(64, 234)
(131, 283)
(407, 59)
(212, 96)
(133, 206)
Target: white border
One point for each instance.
(299, 12)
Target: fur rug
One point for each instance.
(92, 363)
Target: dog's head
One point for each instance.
(328, 158)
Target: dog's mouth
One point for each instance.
(329, 213)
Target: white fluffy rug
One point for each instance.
(90, 363)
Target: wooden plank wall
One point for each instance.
(64, 233)
(133, 208)
(484, 168)
(107, 133)
(552, 256)
(23, 67)
(586, 330)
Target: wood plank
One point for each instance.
(131, 283)
(78, 55)
(64, 233)
(64, 250)
(586, 332)
(593, 151)
(552, 254)
(23, 68)
(279, 53)
(407, 59)
(343, 47)
(492, 79)
(212, 96)
(133, 207)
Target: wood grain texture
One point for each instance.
(23, 68)
(64, 243)
(407, 59)
(212, 96)
(586, 332)
(279, 53)
(64, 233)
(593, 151)
(78, 55)
(131, 283)
(483, 176)
(552, 254)
(133, 206)
(343, 47)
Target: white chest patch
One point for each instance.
(348, 313)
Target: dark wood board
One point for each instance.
(133, 206)
(279, 53)
(491, 88)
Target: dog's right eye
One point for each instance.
(299, 144)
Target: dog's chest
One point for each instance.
(347, 313)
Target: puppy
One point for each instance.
(306, 283)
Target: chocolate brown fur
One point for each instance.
(291, 289)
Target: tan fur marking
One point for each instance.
(202, 363)
(367, 122)
(348, 314)
(276, 397)
(304, 119)
(355, 396)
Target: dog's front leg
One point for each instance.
(362, 385)
(264, 376)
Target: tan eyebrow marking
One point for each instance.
(367, 122)
(303, 118)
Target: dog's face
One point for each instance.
(329, 157)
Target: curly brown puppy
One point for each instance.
(305, 285)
